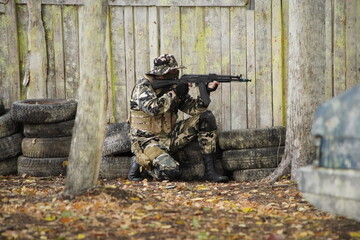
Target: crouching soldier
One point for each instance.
(154, 131)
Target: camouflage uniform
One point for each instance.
(155, 134)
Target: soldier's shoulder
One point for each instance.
(143, 81)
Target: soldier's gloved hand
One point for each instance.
(181, 90)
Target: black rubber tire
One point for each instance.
(114, 167)
(191, 172)
(117, 139)
(8, 166)
(191, 162)
(43, 110)
(252, 138)
(7, 125)
(49, 130)
(186, 157)
(2, 108)
(254, 158)
(250, 175)
(46, 147)
(10, 146)
(189, 154)
(41, 167)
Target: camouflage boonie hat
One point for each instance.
(164, 64)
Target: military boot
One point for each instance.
(210, 173)
(134, 172)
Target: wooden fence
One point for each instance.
(207, 36)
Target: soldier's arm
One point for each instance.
(149, 103)
(192, 106)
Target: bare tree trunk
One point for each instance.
(306, 83)
(36, 70)
(89, 130)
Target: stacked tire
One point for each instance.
(10, 142)
(47, 127)
(191, 162)
(116, 156)
(252, 154)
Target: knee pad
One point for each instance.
(165, 167)
(207, 122)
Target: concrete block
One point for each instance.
(332, 190)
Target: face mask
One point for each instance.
(172, 75)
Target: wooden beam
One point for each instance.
(181, 3)
(164, 3)
(56, 2)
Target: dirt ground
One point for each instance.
(34, 208)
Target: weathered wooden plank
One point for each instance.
(339, 47)
(129, 52)
(3, 60)
(182, 3)
(167, 3)
(71, 51)
(12, 63)
(36, 83)
(277, 65)
(49, 35)
(285, 24)
(329, 19)
(352, 37)
(193, 42)
(22, 23)
(213, 56)
(250, 66)
(52, 16)
(263, 63)
(118, 64)
(59, 52)
(55, 2)
(238, 66)
(153, 34)
(2, 8)
(110, 118)
(170, 34)
(225, 69)
(141, 35)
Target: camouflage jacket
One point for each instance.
(144, 99)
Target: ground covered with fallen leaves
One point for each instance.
(34, 208)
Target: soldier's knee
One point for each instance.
(165, 167)
(207, 121)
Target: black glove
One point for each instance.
(181, 90)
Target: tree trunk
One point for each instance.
(36, 72)
(90, 122)
(306, 83)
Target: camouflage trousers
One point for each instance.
(153, 151)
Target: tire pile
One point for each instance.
(252, 154)
(47, 127)
(10, 142)
(191, 162)
(116, 155)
